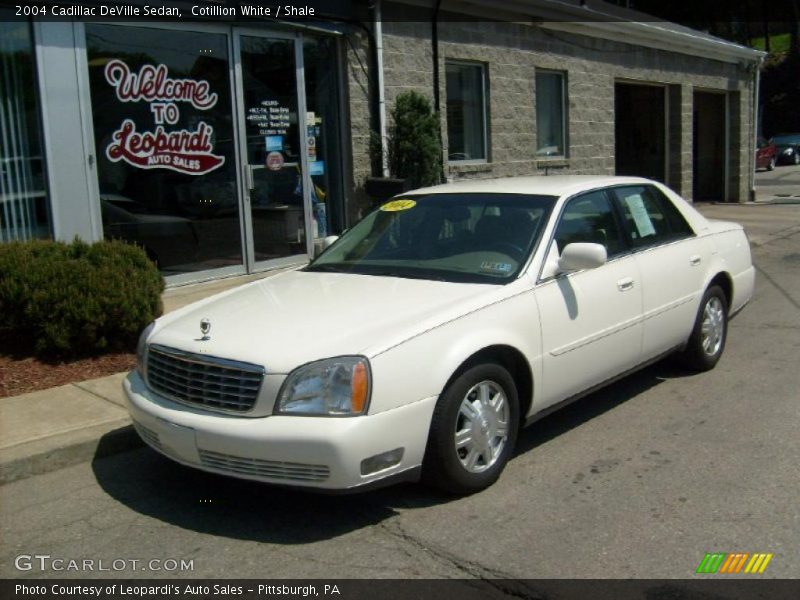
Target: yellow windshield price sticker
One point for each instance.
(396, 205)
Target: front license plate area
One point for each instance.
(178, 440)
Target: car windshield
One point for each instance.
(478, 238)
(792, 138)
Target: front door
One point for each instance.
(273, 146)
(590, 319)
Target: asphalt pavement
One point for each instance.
(638, 480)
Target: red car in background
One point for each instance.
(766, 154)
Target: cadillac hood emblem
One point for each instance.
(205, 329)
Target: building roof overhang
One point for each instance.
(599, 19)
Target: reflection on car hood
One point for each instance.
(297, 317)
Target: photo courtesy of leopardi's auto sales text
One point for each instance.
(183, 590)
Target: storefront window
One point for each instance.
(24, 209)
(161, 107)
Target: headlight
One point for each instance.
(334, 387)
(141, 348)
(787, 151)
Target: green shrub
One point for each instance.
(78, 298)
(415, 151)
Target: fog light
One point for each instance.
(382, 461)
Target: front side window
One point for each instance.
(550, 124)
(466, 111)
(589, 218)
(478, 238)
(650, 217)
(24, 209)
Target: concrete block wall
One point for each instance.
(512, 53)
(357, 77)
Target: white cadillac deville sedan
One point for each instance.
(422, 340)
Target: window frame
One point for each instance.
(564, 119)
(484, 111)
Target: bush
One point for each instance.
(78, 298)
(415, 151)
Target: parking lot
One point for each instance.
(639, 480)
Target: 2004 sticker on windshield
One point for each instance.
(397, 205)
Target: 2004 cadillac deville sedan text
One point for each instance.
(422, 340)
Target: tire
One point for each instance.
(771, 165)
(473, 431)
(710, 332)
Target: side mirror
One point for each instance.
(581, 255)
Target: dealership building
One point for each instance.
(228, 144)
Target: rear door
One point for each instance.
(671, 263)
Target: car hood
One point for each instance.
(296, 317)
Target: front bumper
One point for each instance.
(316, 452)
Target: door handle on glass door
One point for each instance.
(695, 260)
(623, 285)
(249, 179)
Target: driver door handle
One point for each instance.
(623, 285)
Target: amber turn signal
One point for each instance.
(359, 387)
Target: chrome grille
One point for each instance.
(272, 469)
(200, 380)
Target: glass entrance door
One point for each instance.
(274, 153)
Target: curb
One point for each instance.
(43, 456)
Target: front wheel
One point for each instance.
(473, 431)
(707, 341)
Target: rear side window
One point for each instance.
(650, 217)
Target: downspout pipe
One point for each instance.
(756, 101)
(378, 29)
(437, 101)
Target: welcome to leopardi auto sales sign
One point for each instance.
(183, 150)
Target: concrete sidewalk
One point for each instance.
(54, 428)
(50, 429)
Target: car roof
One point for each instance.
(546, 185)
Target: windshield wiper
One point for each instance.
(402, 274)
(329, 268)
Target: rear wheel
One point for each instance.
(707, 341)
(473, 431)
